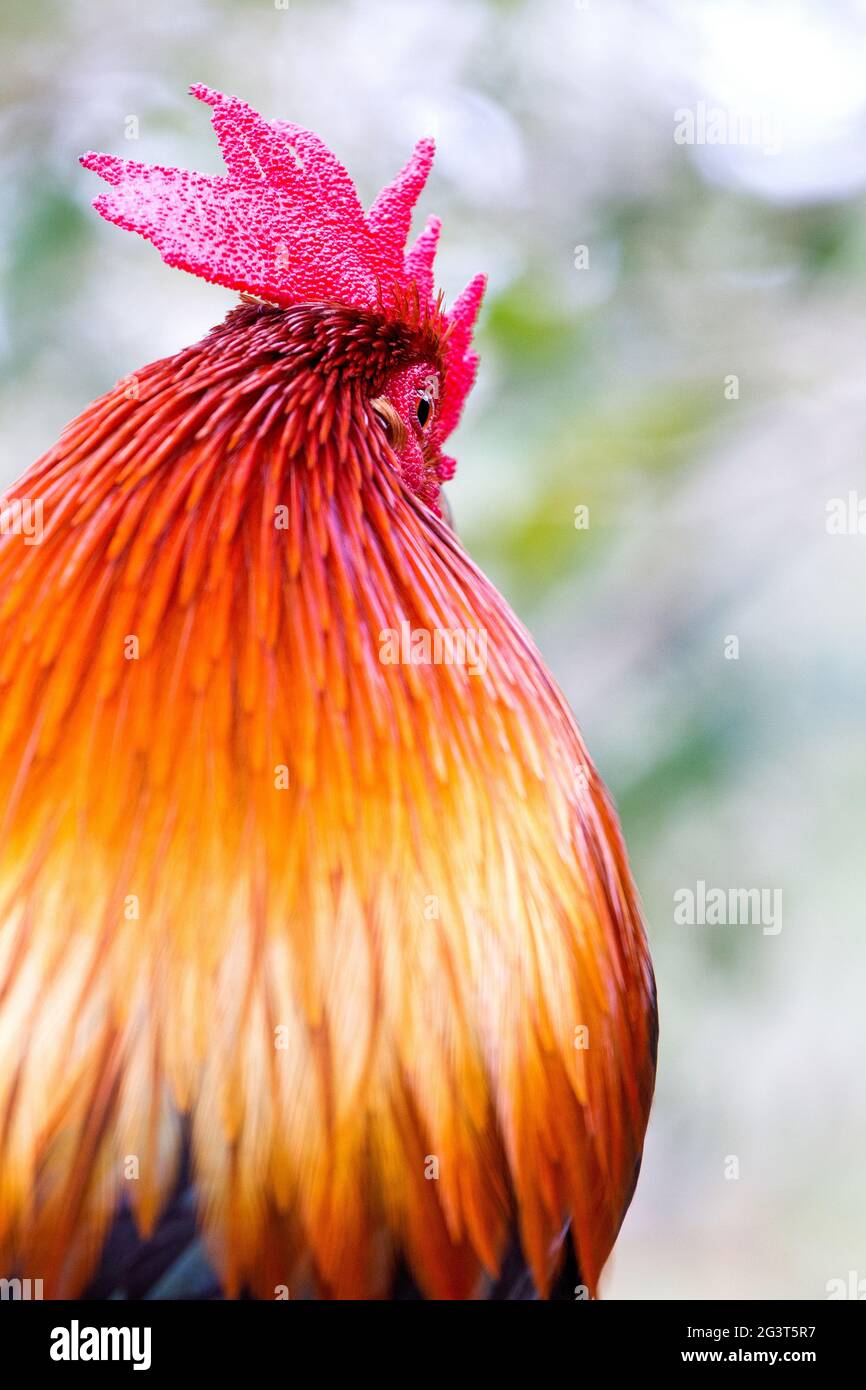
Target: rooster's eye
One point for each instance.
(425, 409)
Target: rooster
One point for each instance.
(317, 938)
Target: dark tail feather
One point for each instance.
(173, 1263)
(170, 1264)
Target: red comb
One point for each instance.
(285, 224)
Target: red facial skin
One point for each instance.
(407, 389)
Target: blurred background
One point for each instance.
(670, 200)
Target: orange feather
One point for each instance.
(346, 915)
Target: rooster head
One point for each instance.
(285, 227)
